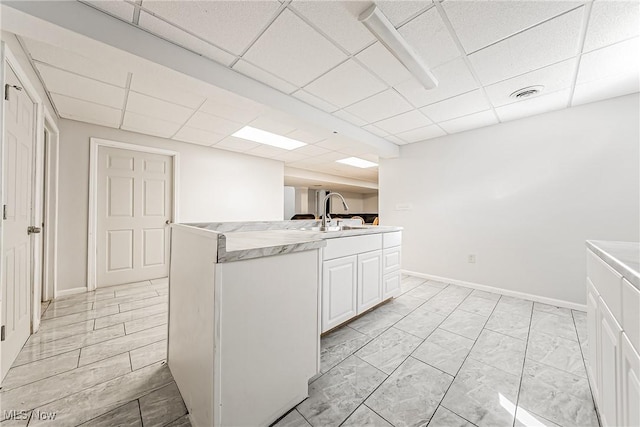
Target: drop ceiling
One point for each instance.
(318, 52)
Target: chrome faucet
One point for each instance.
(326, 215)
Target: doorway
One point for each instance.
(132, 204)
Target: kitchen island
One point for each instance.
(245, 304)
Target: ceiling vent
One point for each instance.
(526, 92)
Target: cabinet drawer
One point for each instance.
(607, 282)
(346, 246)
(391, 260)
(631, 313)
(392, 239)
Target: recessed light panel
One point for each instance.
(357, 162)
(268, 138)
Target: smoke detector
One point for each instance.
(527, 92)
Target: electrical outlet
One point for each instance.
(471, 259)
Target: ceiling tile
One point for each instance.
(148, 125)
(529, 107)
(611, 22)
(421, 134)
(345, 84)
(453, 77)
(472, 121)
(395, 140)
(231, 25)
(430, 38)
(328, 157)
(336, 142)
(197, 136)
(399, 11)
(119, 8)
(76, 109)
(236, 113)
(270, 152)
(67, 60)
(338, 20)
(479, 24)
(273, 125)
(461, 105)
(294, 51)
(75, 86)
(375, 130)
(306, 136)
(345, 115)
(553, 78)
(315, 101)
(176, 35)
(382, 62)
(403, 122)
(311, 150)
(166, 90)
(236, 144)
(381, 106)
(214, 124)
(608, 87)
(153, 107)
(620, 58)
(265, 77)
(538, 47)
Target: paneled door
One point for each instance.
(17, 201)
(134, 208)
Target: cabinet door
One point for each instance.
(609, 350)
(369, 280)
(391, 285)
(630, 412)
(338, 291)
(593, 361)
(391, 260)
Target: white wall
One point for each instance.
(289, 202)
(523, 196)
(215, 185)
(370, 203)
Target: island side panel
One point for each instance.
(269, 335)
(191, 345)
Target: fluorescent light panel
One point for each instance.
(357, 162)
(268, 138)
(384, 31)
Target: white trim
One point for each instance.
(50, 231)
(95, 144)
(37, 191)
(72, 291)
(507, 292)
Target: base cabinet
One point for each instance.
(391, 285)
(609, 351)
(339, 291)
(630, 368)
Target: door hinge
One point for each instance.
(2, 333)
(6, 90)
(4, 211)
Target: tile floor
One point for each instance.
(97, 360)
(444, 355)
(440, 354)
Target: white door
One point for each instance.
(339, 277)
(17, 201)
(369, 280)
(135, 197)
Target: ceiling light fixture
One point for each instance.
(268, 138)
(357, 162)
(384, 31)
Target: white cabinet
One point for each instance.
(609, 352)
(358, 273)
(339, 291)
(369, 280)
(630, 367)
(613, 327)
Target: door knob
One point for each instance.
(32, 229)
(167, 222)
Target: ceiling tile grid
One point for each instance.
(318, 52)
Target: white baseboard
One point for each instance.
(72, 291)
(507, 292)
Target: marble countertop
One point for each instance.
(246, 240)
(624, 257)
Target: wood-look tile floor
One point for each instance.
(445, 355)
(97, 360)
